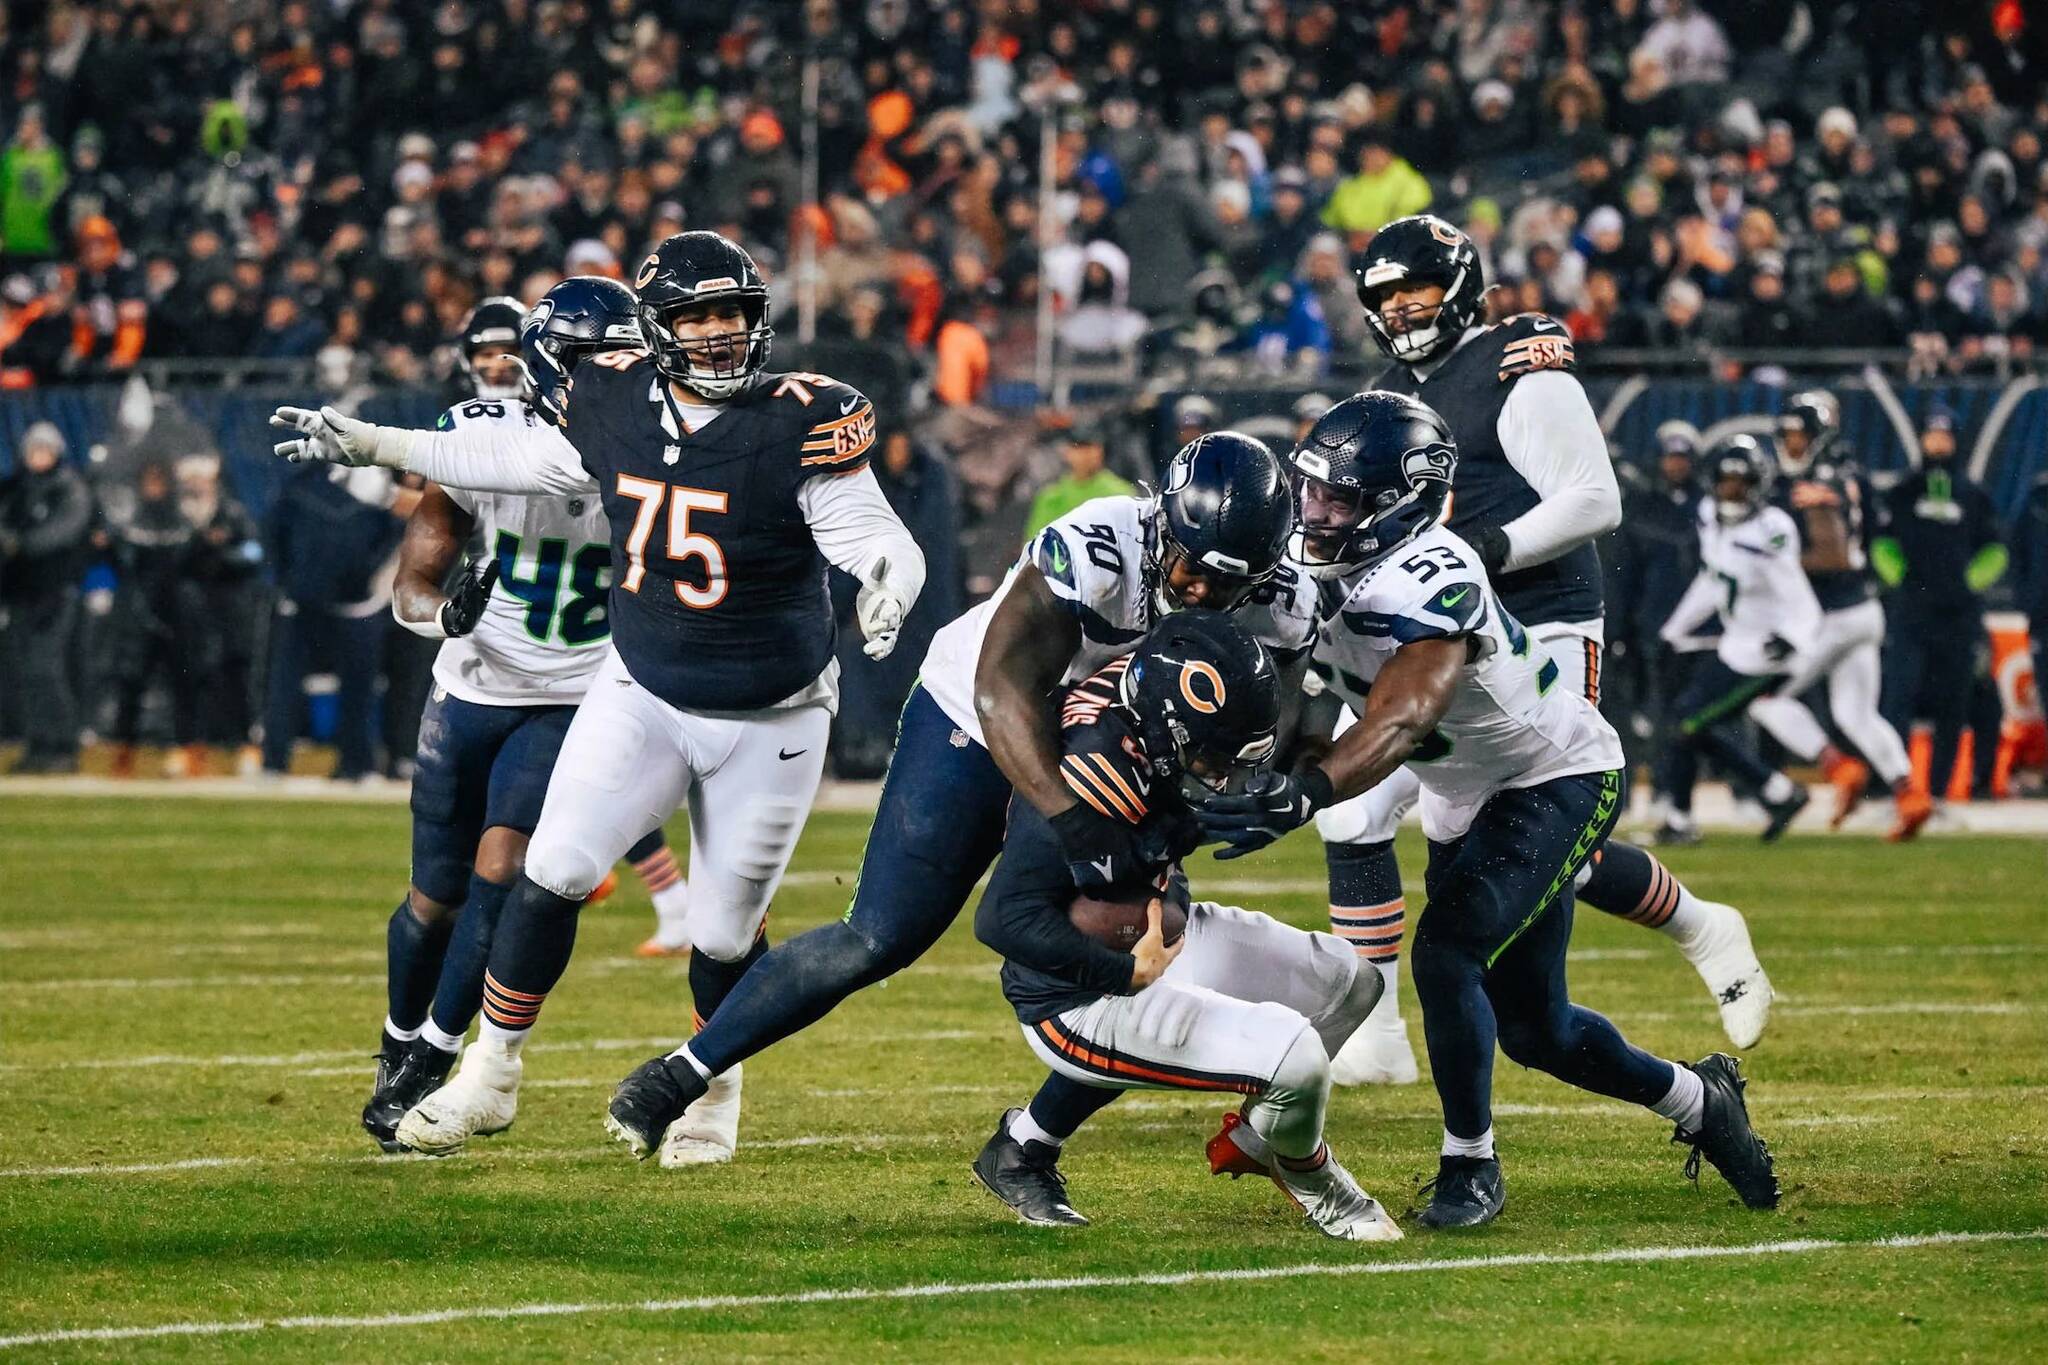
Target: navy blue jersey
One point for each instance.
(1468, 389)
(718, 598)
(1840, 486)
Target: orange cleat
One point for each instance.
(124, 762)
(654, 947)
(1850, 779)
(1226, 1154)
(1915, 808)
(604, 889)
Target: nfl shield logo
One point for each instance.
(670, 454)
(575, 507)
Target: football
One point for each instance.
(1120, 923)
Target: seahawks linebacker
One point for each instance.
(981, 724)
(727, 489)
(1520, 779)
(1535, 488)
(1237, 1003)
(514, 664)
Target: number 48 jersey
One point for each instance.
(545, 626)
(1509, 725)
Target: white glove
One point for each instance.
(880, 610)
(329, 436)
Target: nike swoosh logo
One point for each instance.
(1543, 324)
(849, 405)
(1453, 601)
(1102, 868)
(787, 756)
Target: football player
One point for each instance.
(1751, 577)
(1535, 488)
(1521, 781)
(727, 489)
(1825, 493)
(1237, 1003)
(982, 724)
(515, 663)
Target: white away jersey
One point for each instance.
(544, 630)
(1509, 724)
(1761, 591)
(1093, 559)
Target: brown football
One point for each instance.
(1120, 923)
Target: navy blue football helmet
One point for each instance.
(1739, 458)
(580, 317)
(492, 324)
(1807, 427)
(1223, 510)
(1419, 250)
(1372, 474)
(694, 268)
(1205, 699)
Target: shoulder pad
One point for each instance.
(1101, 762)
(1532, 341)
(838, 420)
(1404, 607)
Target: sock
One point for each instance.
(510, 1041)
(1686, 1103)
(711, 980)
(666, 887)
(459, 994)
(412, 963)
(529, 953)
(1023, 1128)
(1777, 787)
(440, 1038)
(792, 988)
(394, 1034)
(1368, 911)
(1629, 883)
(1302, 1165)
(1481, 1146)
(1061, 1106)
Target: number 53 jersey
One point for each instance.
(546, 624)
(1509, 724)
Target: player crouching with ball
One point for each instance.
(1139, 989)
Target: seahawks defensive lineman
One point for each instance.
(1535, 488)
(982, 724)
(1520, 779)
(727, 489)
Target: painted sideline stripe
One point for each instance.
(945, 1289)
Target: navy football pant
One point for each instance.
(1710, 711)
(1489, 954)
(937, 829)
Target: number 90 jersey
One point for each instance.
(545, 626)
(1093, 560)
(1509, 723)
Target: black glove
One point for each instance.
(1099, 851)
(1493, 547)
(1271, 805)
(465, 605)
(1778, 649)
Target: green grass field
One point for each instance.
(191, 982)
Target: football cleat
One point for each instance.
(651, 1098)
(602, 892)
(1676, 832)
(1850, 778)
(1237, 1149)
(405, 1076)
(1468, 1192)
(1332, 1202)
(1783, 813)
(1377, 1054)
(1725, 959)
(1915, 807)
(654, 947)
(1026, 1176)
(1725, 1137)
(709, 1130)
(481, 1101)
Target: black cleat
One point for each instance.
(1026, 1176)
(649, 1100)
(1468, 1192)
(1725, 1137)
(406, 1074)
(1783, 813)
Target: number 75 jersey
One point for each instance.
(1509, 724)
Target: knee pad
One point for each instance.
(719, 933)
(562, 868)
(1289, 1113)
(1341, 1018)
(773, 824)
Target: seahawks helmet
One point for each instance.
(1741, 456)
(1810, 420)
(1205, 699)
(1372, 474)
(692, 268)
(1419, 250)
(494, 322)
(580, 317)
(1223, 510)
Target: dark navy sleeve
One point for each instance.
(1023, 913)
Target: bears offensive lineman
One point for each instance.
(1237, 1003)
(505, 684)
(1521, 781)
(727, 489)
(1535, 488)
(982, 723)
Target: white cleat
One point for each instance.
(1725, 959)
(1377, 1054)
(1331, 1201)
(482, 1099)
(709, 1130)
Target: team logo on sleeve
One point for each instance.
(1055, 561)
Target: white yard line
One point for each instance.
(946, 1289)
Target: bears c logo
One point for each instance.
(1199, 677)
(647, 269)
(1441, 230)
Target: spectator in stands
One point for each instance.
(1386, 187)
(1167, 213)
(32, 177)
(1767, 320)
(1846, 314)
(1681, 317)
(1102, 321)
(156, 614)
(45, 517)
(224, 569)
(960, 346)
(1085, 453)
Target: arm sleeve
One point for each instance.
(857, 529)
(497, 457)
(1701, 600)
(1023, 914)
(1552, 438)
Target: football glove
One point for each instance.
(1270, 805)
(465, 604)
(1493, 547)
(329, 436)
(879, 609)
(1100, 852)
